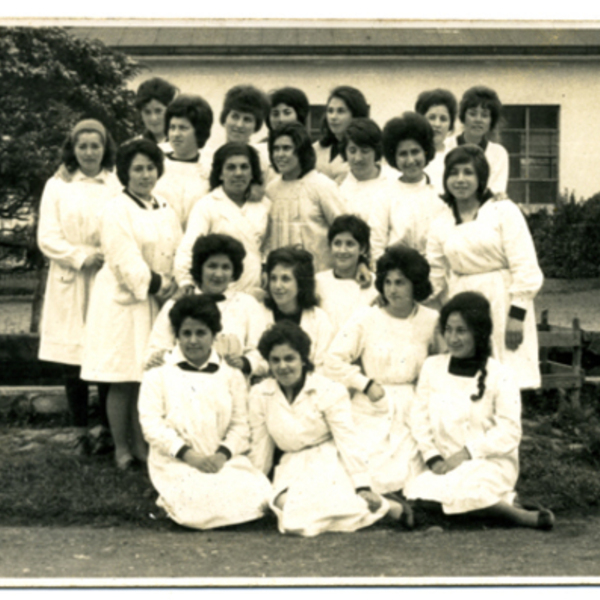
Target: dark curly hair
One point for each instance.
(129, 150)
(196, 110)
(437, 97)
(69, 160)
(217, 243)
(413, 266)
(234, 149)
(364, 132)
(410, 126)
(286, 332)
(301, 262)
(356, 102)
(483, 96)
(474, 308)
(357, 228)
(202, 307)
(302, 144)
(463, 155)
(294, 98)
(155, 89)
(249, 99)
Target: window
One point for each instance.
(530, 135)
(313, 123)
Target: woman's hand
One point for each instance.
(372, 499)
(514, 333)
(207, 464)
(457, 459)
(168, 286)
(93, 261)
(363, 276)
(439, 467)
(156, 359)
(375, 392)
(186, 290)
(256, 192)
(235, 361)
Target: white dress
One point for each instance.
(182, 184)
(435, 169)
(301, 214)
(321, 466)
(391, 352)
(241, 316)
(336, 169)
(340, 298)
(494, 255)
(445, 420)
(405, 217)
(69, 232)
(136, 242)
(314, 322)
(217, 213)
(361, 197)
(203, 411)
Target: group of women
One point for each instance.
(264, 322)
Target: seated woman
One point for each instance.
(217, 261)
(338, 290)
(291, 296)
(377, 355)
(322, 482)
(193, 415)
(413, 202)
(467, 422)
(151, 99)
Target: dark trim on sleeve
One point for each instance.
(515, 312)
(155, 283)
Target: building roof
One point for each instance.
(226, 40)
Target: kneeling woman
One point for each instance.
(321, 483)
(467, 422)
(193, 415)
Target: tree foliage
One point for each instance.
(48, 81)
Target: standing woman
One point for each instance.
(288, 105)
(69, 235)
(188, 122)
(485, 246)
(479, 111)
(152, 98)
(230, 209)
(305, 202)
(344, 104)
(439, 107)
(467, 422)
(139, 235)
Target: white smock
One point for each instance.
(218, 213)
(391, 351)
(301, 214)
(203, 411)
(445, 420)
(69, 232)
(136, 242)
(336, 169)
(361, 197)
(435, 168)
(321, 467)
(494, 255)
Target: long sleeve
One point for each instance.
(256, 327)
(161, 336)
(262, 445)
(380, 223)
(330, 200)
(237, 437)
(437, 260)
(318, 326)
(499, 167)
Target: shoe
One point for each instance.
(545, 520)
(125, 462)
(82, 446)
(101, 442)
(407, 518)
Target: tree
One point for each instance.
(48, 81)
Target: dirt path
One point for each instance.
(570, 551)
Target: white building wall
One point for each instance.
(391, 86)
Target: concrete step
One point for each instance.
(24, 401)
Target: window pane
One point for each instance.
(543, 143)
(543, 192)
(516, 191)
(313, 123)
(513, 141)
(514, 166)
(542, 168)
(513, 117)
(543, 117)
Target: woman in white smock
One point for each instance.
(377, 355)
(193, 414)
(69, 235)
(322, 482)
(139, 234)
(467, 422)
(230, 209)
(485, 245)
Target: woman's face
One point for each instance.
(182, 138)
(338, 116)
(439, 118)
(195, 340)
(345, 251)
(239, 126)
(236, 175)
(459, 337)
(362, 161)
(286, 365)
(143, 175)
(410, 159)
(462, 181)
(217, 274)
(282, 114)
(285, 158)
(478, 121)
(283, 286)
(398, 290)
(89, 151)
(153, 116)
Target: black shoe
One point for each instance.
(82, 446)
